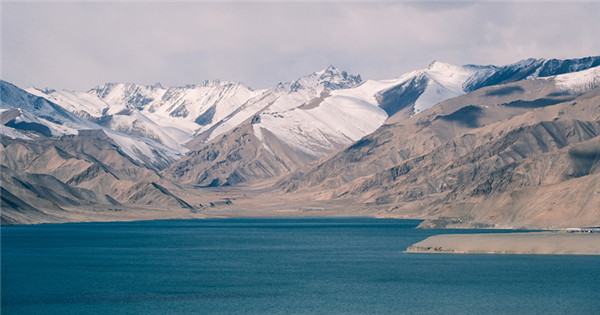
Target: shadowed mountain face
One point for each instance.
(402, 96)
(531, 68)
(423, 89)
(466, 116)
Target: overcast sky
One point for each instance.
(78, 45)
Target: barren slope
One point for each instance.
(520, 154)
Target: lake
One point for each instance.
(276, 266)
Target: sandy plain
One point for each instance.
(544, 243)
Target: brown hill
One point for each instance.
(518, 154)
(45, 179)
(234, 158)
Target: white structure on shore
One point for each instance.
(584, 230)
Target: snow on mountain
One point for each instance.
(288, 96)
(117, 115)
(445, 81)
(170, 116)
(81, 104)
(145, 150)
(12, 133)
(345, 115)
(327, 121)
(302, 115)
(203, 104)
(126, 96)
(337, 121)
(29, 116)
(158, 119)
(579, 82)
(31, 113)
(314, 115)
(527, 69)
(422, 89)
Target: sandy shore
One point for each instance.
(548, 243)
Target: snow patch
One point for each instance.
(258, 134)
(12, 133)
(445, 81)
(345, 116)
(578, 82)
(134, 146)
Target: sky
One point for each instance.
(78, 45)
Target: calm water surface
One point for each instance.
(276, 266)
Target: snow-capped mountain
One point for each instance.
(320, 121)
(522, 152)
(301, 121)
(527, 69)
(422, 89)
(433, 137)
(312, 116)
(170, 116)
(301, 114)
(283, 128)
(28, 116)
(578, 82)
(419, 90)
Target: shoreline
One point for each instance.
(550, 242)
(341, 216)
(529, 243)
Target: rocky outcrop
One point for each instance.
(43, 180)
(232, 159)
(35, 198)
(152, 194)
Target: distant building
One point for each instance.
(584, 230)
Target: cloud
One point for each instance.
(79, 45)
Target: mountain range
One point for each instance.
(493, 146)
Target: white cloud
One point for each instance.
(78, 45)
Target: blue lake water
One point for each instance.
(276, 266)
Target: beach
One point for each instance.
(543, 243)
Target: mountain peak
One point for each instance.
(108, 86)
(217, 82)
(441, 66)
(46, 91)
(332, 68)
(330, 71)
(330, 78)
(527, 62)
(156, 85)
(337, 78)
